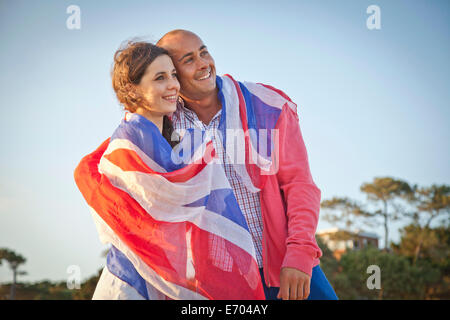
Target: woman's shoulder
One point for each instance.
(126, 129)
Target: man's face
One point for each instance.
(195, 66)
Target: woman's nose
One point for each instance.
(174, 84)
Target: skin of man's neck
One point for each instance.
(205, 108)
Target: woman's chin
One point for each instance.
(172, 110)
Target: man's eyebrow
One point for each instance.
(191, 53)
(186, 55)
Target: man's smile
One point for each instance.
(206, 76)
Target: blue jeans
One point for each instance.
(320, 288)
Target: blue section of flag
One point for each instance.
(260, 116)
(146, 136)
(155, 146)
(119, 265)
(223, 202)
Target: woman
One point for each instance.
(145, 81)
(175, 226)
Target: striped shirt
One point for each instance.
(249, 203)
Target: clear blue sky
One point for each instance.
(371, 103)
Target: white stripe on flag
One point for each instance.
(190, 270)
(234, 122)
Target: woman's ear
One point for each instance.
(136, 96)
(133, 92)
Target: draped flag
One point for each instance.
(178, 224)
(249, 133)
(171, 215)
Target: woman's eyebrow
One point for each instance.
(159, 73)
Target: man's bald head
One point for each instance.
(168, 40)
(195, 66)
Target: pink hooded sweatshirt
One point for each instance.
(290, 205)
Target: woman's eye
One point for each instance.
(174, 75)
(160, 78)
(188, 60)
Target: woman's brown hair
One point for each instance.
(130, 63)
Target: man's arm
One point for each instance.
(302, 198)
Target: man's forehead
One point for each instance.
(182, 43)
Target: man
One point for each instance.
(283, 215)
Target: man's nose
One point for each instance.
(202, 63)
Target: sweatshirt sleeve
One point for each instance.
(301, 195)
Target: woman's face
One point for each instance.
(160, 86)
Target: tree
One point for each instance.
(434, 255)
(345, 213)
(388, 197)
(385, 193)
(14, 260)
(431, 202)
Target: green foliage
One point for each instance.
(435, 243)
(87, 288)
(11, 257)
(399, 279)
(434, 256)
(46, 290)
(387, 188)
(434, 200)
(401, 276)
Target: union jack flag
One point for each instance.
(175, 223)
